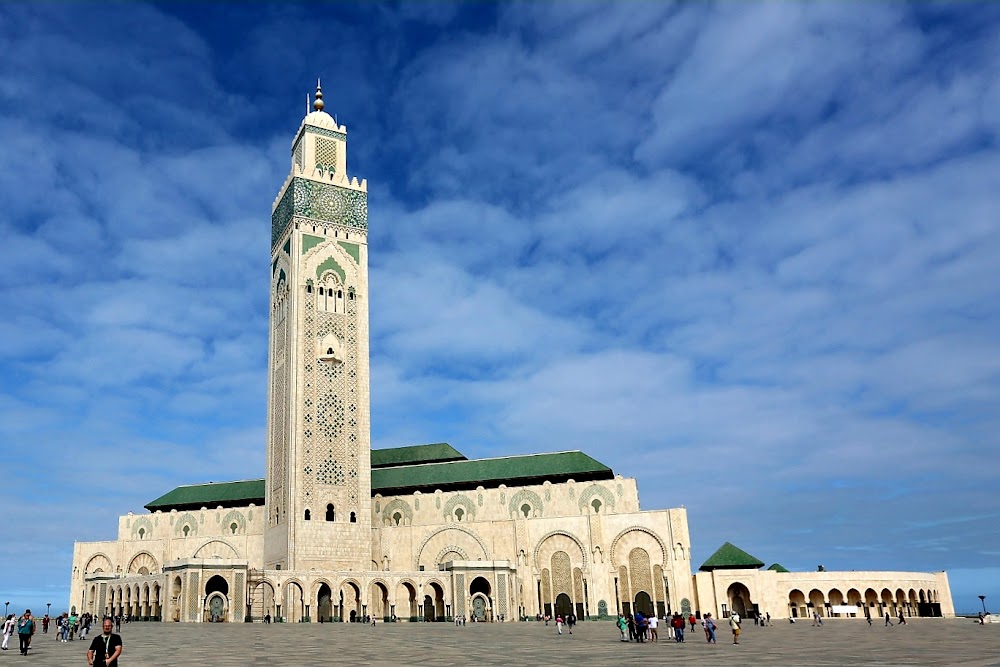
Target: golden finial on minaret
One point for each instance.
(318, 102)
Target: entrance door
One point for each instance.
(217, 607)
(643, 603)
(428, 609)
(479, 608)
(564, 605)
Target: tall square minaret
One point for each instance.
(318, 486)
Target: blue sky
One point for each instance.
(746, 253)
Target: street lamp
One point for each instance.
(982, 598)
(48, 608)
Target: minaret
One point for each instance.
(318, 487)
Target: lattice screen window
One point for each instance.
(326, 155)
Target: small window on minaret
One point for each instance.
(354, 517)
(308, 516)
(309, 289)
(330, 515)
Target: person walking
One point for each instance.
(902, 619)
(668, 626)
(652, 622)
(693, 621)
(622, 626)
(678, 624)
(734, 624)
(25, 628)
(709, 629)
(106, 648)
(559, 623)
(8, 629)
(888, 623)
(570, 621)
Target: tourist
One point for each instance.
(25, 628)
(704, 625)
(45, 624)
(8, 630)
(668, 626)
(105, 648)
(678, 624)
(888, 623)
(710, 629)
(769, 618)
(622, 626)
(559, 623)
(651, 623)
(570, 621)
(734, 623)
(633, 634)
(692, 620)
(902, 619)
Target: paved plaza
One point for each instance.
(956, 642)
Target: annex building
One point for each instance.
(337, 531)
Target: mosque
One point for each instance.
(337, 531)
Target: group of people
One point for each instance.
(641, 628)
(569, 621)
(104, 649)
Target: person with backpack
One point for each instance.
(622, 626)
(734, 624)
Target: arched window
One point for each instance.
(308, 515)
(354, 517)
(330, 513)
(142, 533)
(186, 530)
(234, 527)
(526, 510)
(596, 505)
(309, 288)
(397, 517)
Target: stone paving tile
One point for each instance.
(958, 643)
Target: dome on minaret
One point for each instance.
(317, 116)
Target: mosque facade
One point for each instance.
(337, 531)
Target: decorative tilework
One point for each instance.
(638, 566)
(459, 594)
(238, 590)
(562, 581)
(323, 132)
(323, 202)
(502, 593)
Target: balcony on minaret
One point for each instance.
(331, 350)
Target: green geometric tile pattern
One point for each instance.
(319, 201)
(323, 132)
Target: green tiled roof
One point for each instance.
(729, 556)
(425, 477)
(213, 494)
(402, 456)
(778, 567)
(511, 470)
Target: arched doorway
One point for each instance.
(817, 602)
(350, 601)
(324, 603)
(262, 601)
(739, 599)
(564, 605)
(797, 603)
(428, 608)
(406, 601)
(480, 590)
(294, 603)
(176, 599)
(216, 599)
(378, 600)
(643, 603)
